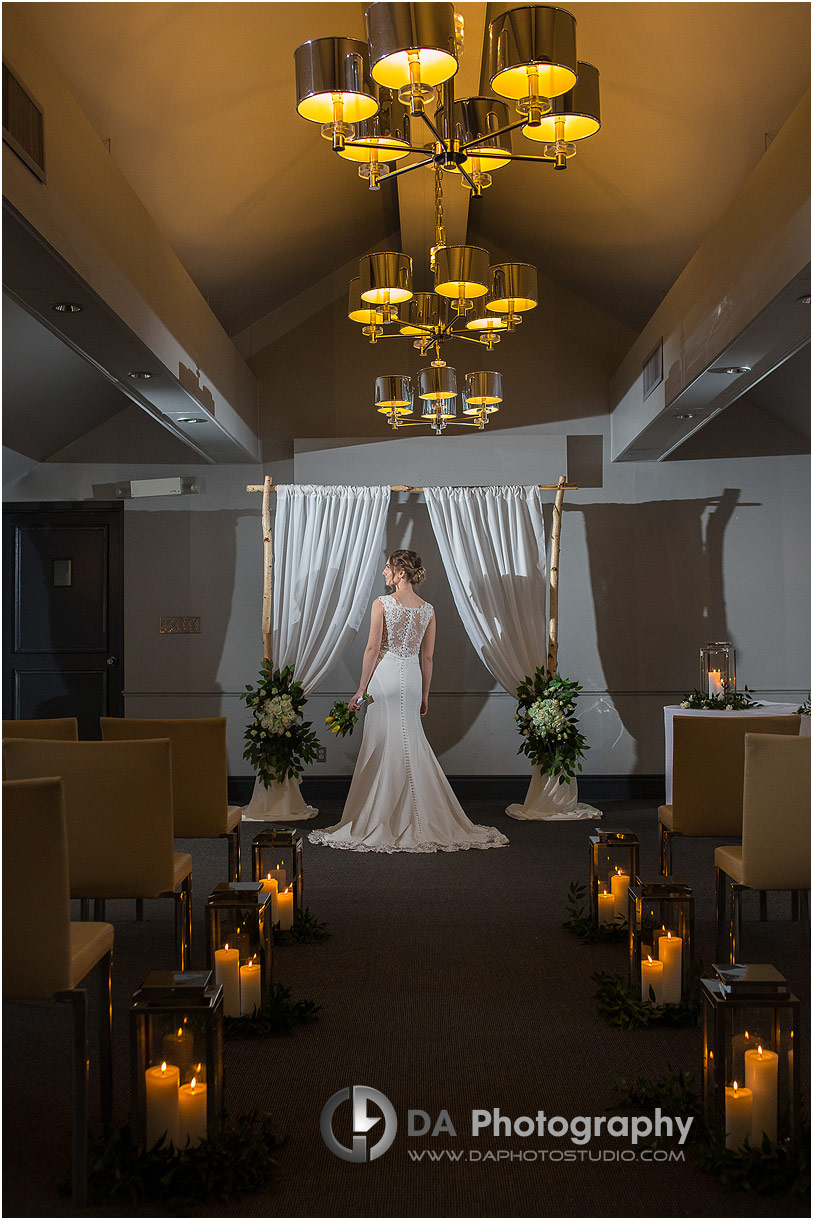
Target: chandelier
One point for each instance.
(366, 97)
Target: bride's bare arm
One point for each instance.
(370, 653)
(427, 653)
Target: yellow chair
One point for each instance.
(64, 728)
(118, 808)
(707, 776)
(200, 801)
(775, 850)
(55, 953)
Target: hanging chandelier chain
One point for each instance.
(440, 234)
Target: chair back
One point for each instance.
(64, 728)
(118, 811)
(199, 769)
(776, 813)
(36, 902)
(708, 765)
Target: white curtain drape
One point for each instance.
(327, 542)
(492, 543)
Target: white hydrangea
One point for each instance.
(547, 718)
(277, 715)
(685, 703)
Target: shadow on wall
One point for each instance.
(657, 576)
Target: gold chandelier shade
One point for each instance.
(333, 82)
(483, 320)
(536, 44)
(361, 311)
(394, 392)
(442, 409)
(411, 43)
(424, 315)
(436, 383)
(385, 279)
(575, 115)
(474, 118)
(483, 391)
(388, 130)
(513, 288)
(461, 272)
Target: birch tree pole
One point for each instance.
(553, 623)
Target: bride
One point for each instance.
(399, 798)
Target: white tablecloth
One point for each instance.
(767, 709)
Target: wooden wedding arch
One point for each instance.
(267, 488)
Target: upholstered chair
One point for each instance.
(118, 808)
(775, 850)
(201, 808)
(63, 728)
(55, 954)
(707, 776)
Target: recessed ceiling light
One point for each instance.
(733, 369)
(803, 300)
(184, 419)
(687, 415)
(67, 307)
(140, 375)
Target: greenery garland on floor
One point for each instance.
(278, 1020)
(237, 1157)
(279, 743)
(307, 930)
(546, 718)
(581, 924)
(624, 1010)
(767, 1170)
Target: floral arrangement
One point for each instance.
(728, 701)
(804, 708)
(340, 719)
(546, 719)
(279, 743)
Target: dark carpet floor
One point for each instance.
(448, 984)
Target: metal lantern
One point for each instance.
(718, 668)
(176, 1057)
(613, 867)
(751, 1081)
(277, 855)
(239, 939)
(661, 958)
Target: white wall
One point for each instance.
(655, 560)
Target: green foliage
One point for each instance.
(279, 743)
(237, 1157)
(581, 925)
(728, 701)
(625, 1011)
(804, 708)
(340, 719)
(278, 1020)
(546, 719)
(675, 1093)
(767, 1170)
(307, 930)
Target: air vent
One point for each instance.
(22, 124)
(653, 369)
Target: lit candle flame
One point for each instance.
(180, 1030)
(192, 1086)
(760, 1052)
(268, 878)
(669, 935)
(226, 945)
(649, 957)
(163, 1067)
(735, 1086)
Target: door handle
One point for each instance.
(111, 661)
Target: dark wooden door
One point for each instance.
(63, 636)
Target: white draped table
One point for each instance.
(766, 709)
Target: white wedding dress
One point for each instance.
(399, 798)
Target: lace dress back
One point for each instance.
(404, 627)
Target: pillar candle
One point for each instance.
(620, 884)
(227, 972)
(761, 1077)
(191, 1113)
(270, 886)
(606, 908)
(652, 976)
(738, 1109)
(670, 952)
(741, 1043)
(280, 876)
(162, 1103)
(715, 682)
(179, 1048)
(285, 903)
(250, 991)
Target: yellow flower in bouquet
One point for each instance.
(341, 720)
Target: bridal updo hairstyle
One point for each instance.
(408, 562)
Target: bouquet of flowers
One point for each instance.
(279, 743)
(340, 719)
(547, 721)
(728, 701)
